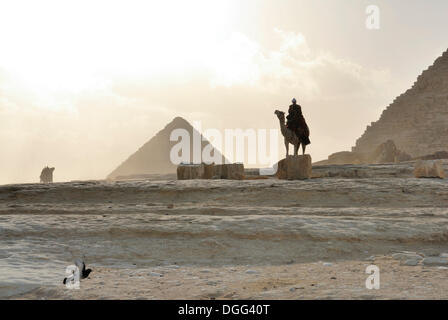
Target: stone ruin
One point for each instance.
(429, 169)
(232, 171)
(290, 168)
(416, 121)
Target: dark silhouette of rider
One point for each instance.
(296, 122)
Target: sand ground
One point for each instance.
(319, 280)
(224, 239)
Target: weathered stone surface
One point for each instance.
(348, 173)
(428, 169)
(435, 261)
(405, 256)
(415, 120)
(435, 156)
(190, 171)
(402, 156)
(232, 171)
(295, 167)
(386, 152)
(209, 171)
(251, 272)
(344, 157)
(217, 171)
(411, 262)
(389, 170)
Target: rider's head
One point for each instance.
(294, 101)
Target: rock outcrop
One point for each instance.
(343, 157)
(295, 167)
(154, 156)
(428, 169)
(386, 152)
(435, 156)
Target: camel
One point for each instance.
(290, 136)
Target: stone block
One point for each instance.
(295, 167)
(190, 171)
(233, 171)
(428, 169)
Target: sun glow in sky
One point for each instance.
(60, 45)
(84, 84)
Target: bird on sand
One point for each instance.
(83, 272)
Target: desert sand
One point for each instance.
(224, 239)
(317, 280)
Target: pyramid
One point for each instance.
(154, 156)
(417, 120)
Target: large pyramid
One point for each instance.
(154, 156)
(417, 120)
(415, 124)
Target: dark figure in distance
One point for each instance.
(46, 176)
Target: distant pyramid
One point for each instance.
(417, 120)
(154, 156)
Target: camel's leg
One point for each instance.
(303, 148)
(296, 149)
(287, 147)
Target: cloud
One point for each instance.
(241, 61)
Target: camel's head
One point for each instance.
(280, 115)
(51, 170)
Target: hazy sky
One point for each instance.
(83, 84)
